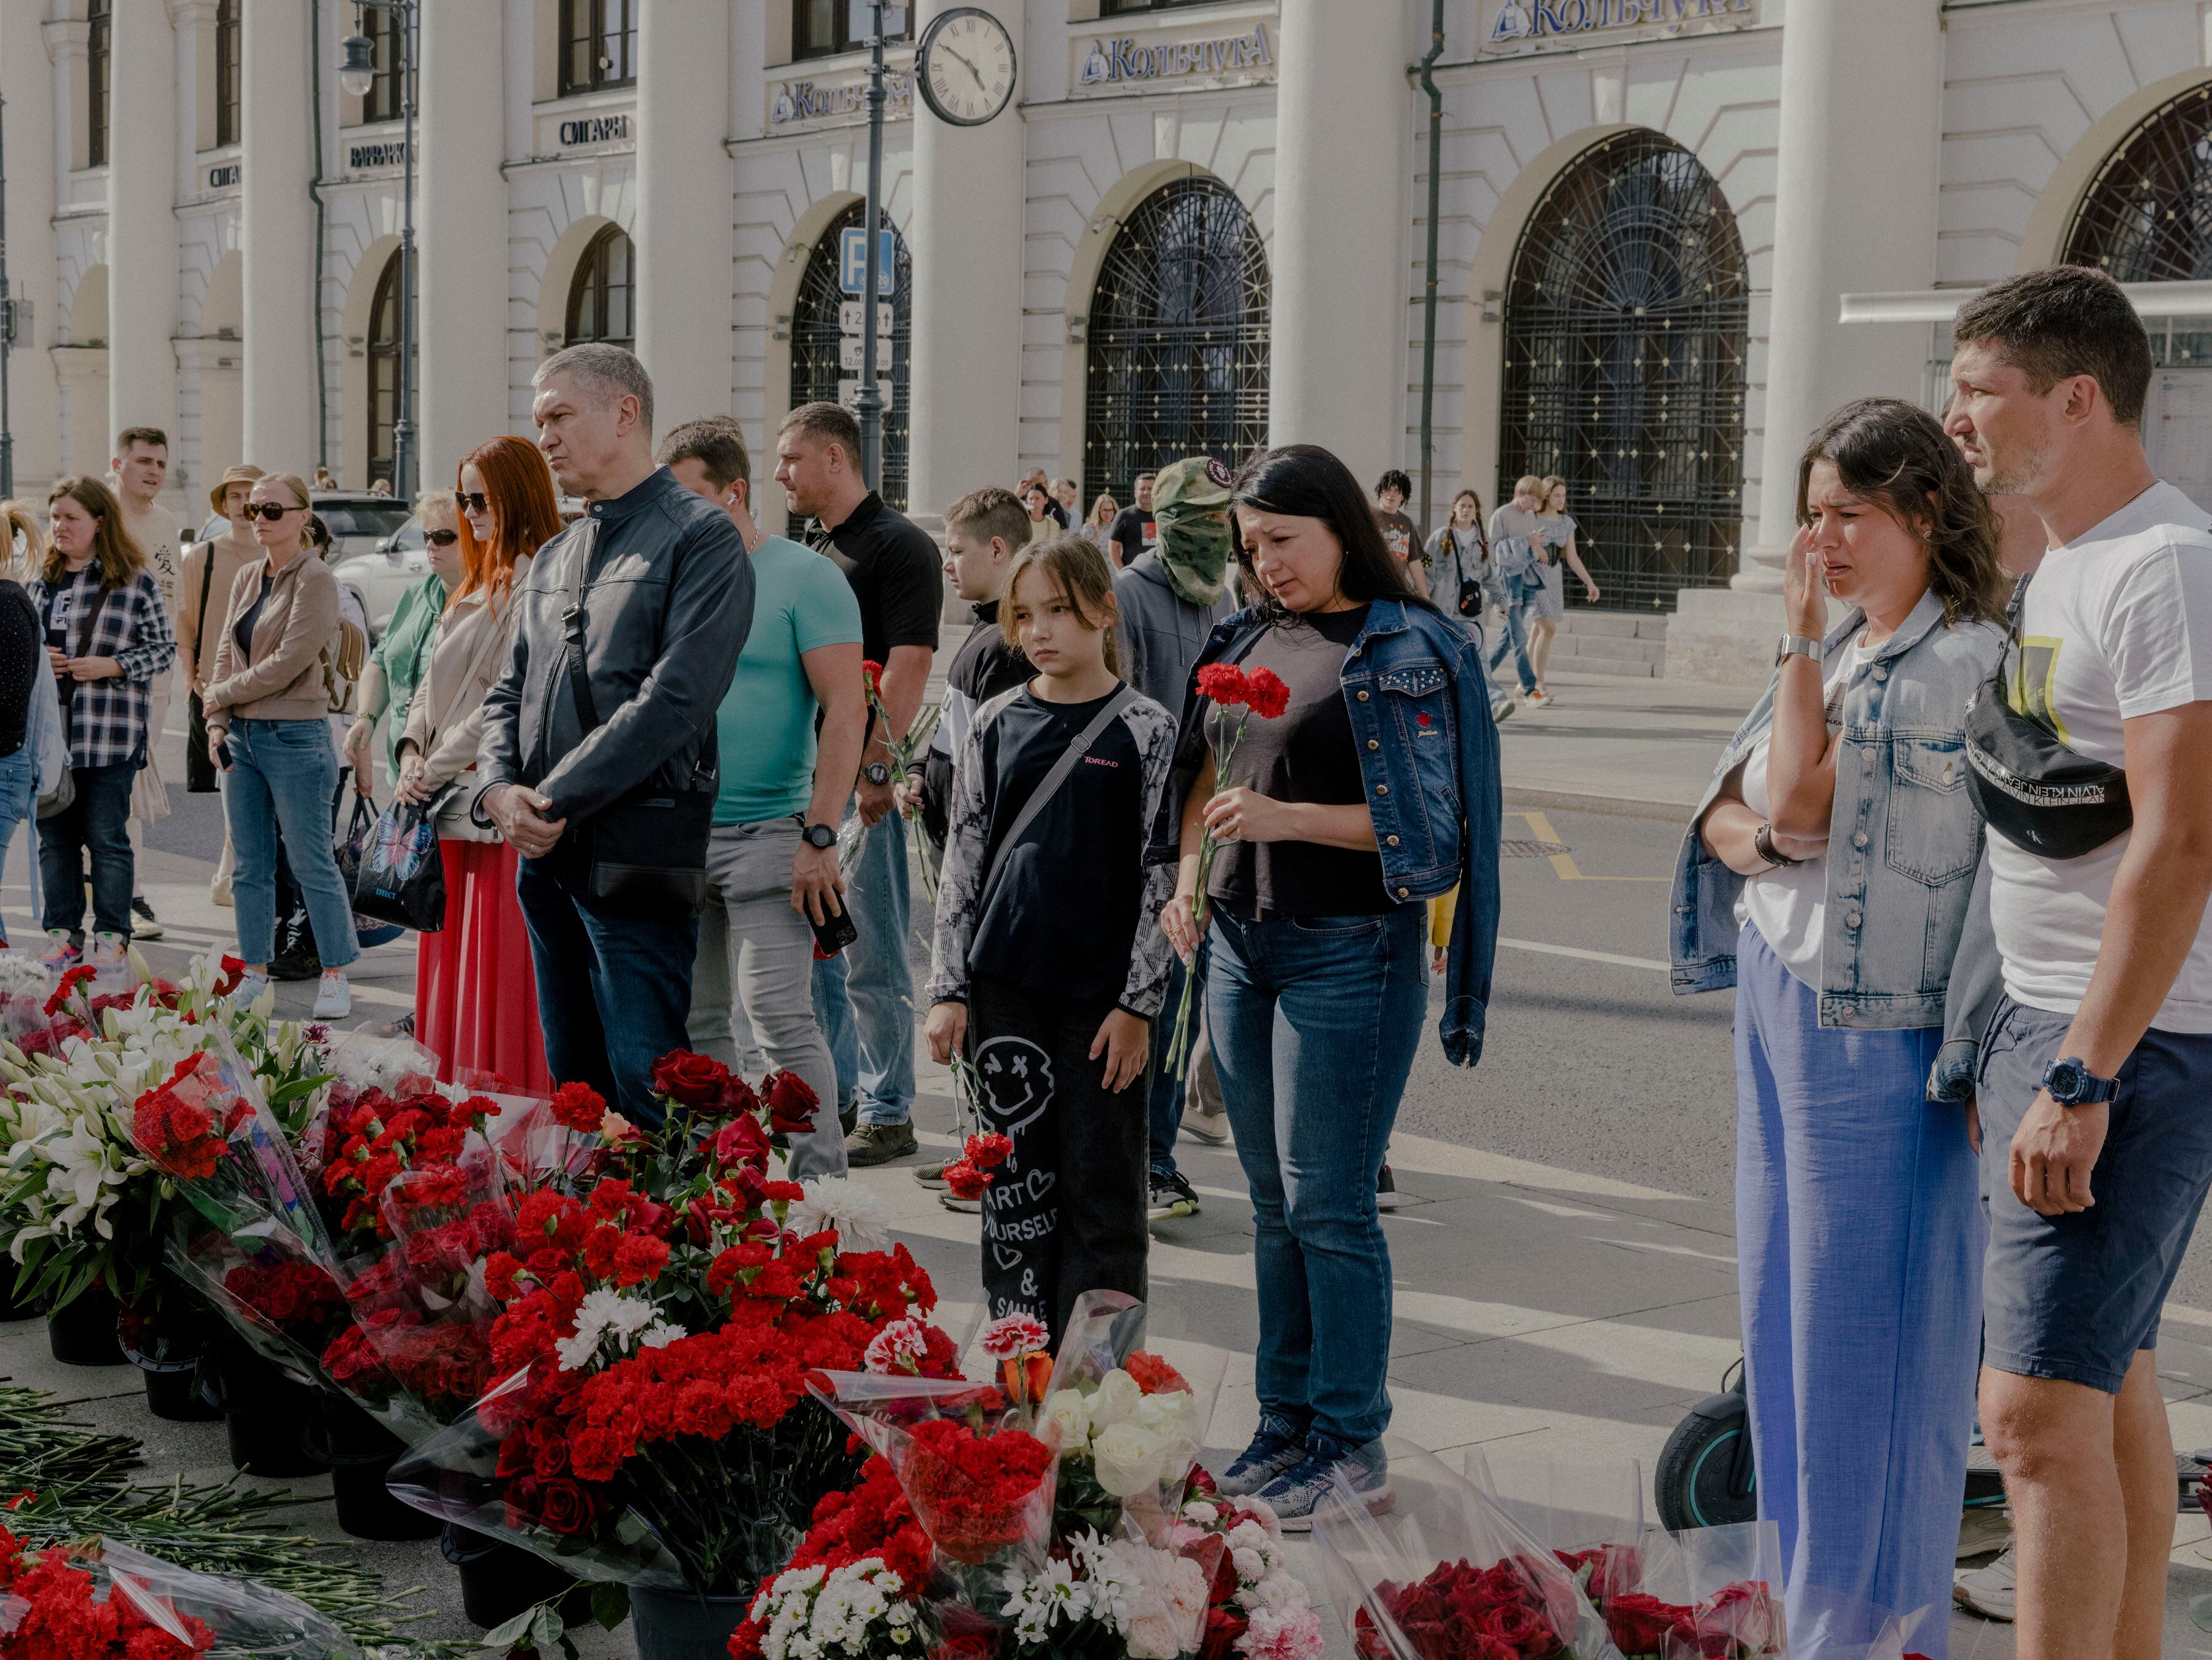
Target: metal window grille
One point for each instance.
(384, 374)
(99, 25)
(815, 366)
(2147, 217)
(598, 43)
(1177, 338)
(1627, 325)
(600, 299)
(226, 72)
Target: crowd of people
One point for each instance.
(1954, 866)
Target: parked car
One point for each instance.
(367, 551)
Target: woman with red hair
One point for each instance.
(476, 999)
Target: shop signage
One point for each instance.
(1519, 21)
(1115, 60)
(389, 153)
(224, 177)
(595, 130)
(845, 99)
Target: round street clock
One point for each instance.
(965, 66)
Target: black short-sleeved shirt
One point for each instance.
(1401, 536)
(1305, 754)
(19, 663)
(1065, 910)
(896, 574)
(1135, 530)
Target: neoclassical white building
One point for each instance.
(1200, 224)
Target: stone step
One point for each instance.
(1592, 647)
(1615, 624)
(1630, 667)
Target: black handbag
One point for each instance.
(403, 875)
(644, 853)
(2033, 790)
(199, 765)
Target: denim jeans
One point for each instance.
(95, 823)
(1514, 638)
(864, 996)
(612, 987)
(19, 799)
(1314, 1022)
(756, 965)
(281, 777)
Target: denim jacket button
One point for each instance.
(1373, 744)
(1392, 840)
(1858, 838)
(1404, 892)
(1881, 671)
(1852, 920)
(1363, 697)
(1381, 789)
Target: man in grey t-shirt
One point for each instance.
(1517, 521)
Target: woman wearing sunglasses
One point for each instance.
(402, 656)
(475, 998)
(268, 700)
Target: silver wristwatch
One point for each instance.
(1796, 645)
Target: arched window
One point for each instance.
(1626, 324)
(2147, 217)
(817, 349)
(602, 296)
(1177, 338)
(384, 374)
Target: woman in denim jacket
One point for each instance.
(1827, 877)
(1376, 788)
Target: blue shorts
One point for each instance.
(2077, 1297)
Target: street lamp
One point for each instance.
(357, 74)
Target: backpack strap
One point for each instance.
(1049, 786)
(571, 623)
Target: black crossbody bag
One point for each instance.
(645, 852)
(2033, 790)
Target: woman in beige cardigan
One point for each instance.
(475, 997)
(268, 702)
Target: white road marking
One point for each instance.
(1549, 949)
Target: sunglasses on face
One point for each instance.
(441, 538)
(272, 511)
(473, 500)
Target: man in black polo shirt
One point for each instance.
(864, 996)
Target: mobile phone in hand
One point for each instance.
(223, 753)
(833, 933)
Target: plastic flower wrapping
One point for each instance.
(1447, 1573)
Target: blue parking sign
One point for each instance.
(853, 261)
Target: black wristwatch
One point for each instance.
(819, 835)
(876, 773)
(2071, 1083)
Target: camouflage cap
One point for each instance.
(1198, 484)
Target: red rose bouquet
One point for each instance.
(1447, 1574)
(1226, 687)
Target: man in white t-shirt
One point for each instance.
(2095, 1086)
(141, 467)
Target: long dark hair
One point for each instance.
(1304, 481)
(1895, 454)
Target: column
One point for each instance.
(1855, 175)
(966, 236)
(142, 220)
(683, 227)
(277, 237)
(461, 238)
(26, 80)
(1337, 352)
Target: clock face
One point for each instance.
(965, 66)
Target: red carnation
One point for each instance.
(1266, 693)
(1225, 684)
(578, 1106)
(963, 1181)
(1154, 1375)
(871, 676)
(989, 1152)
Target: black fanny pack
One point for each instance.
(2033, 790)
(647, 851)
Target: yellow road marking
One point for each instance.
(1563, 863)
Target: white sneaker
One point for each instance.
(107, 952)
(248, 990)
(219, 892)
(1211, 1128)
(334, 997)
(1991, 1592)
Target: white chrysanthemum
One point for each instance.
(660, 1334)
(839, 1202)
(20, 972)
(604, 1314)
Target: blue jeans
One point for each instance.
(97, 821)
(282, 775)
(864, 996)
(1859, 1233)
(19, 799)
(1517, 641)
(1165, 1107)
(613, 989)
(1314, 1021)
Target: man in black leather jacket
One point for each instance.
(669, 598)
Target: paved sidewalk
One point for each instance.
(1610, 743)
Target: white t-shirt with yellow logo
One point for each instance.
(2117, 624)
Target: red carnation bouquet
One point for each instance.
(1447, 1574)
(1226, 687)
(207, 1127)
(871, 1534)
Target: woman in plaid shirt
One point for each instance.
(107, 635)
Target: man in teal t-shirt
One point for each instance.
(772, 860)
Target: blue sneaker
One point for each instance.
(1270, 1454)
(1294, 1493)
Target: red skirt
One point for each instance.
(475, 997)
